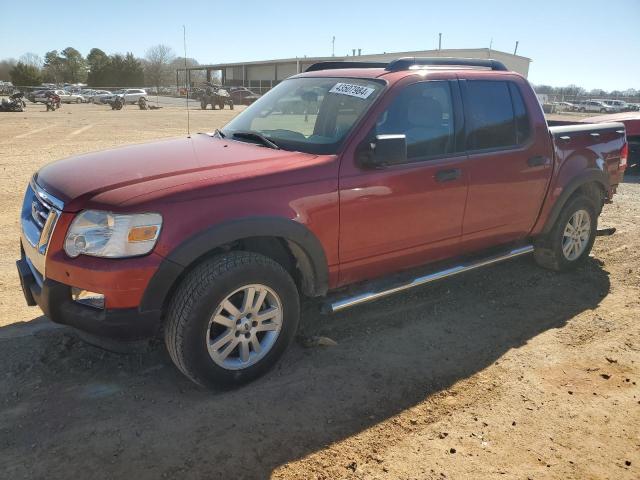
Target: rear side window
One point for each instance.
(489, 115)
(495, 115)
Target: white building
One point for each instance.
(264, 74)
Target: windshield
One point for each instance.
(311, 115)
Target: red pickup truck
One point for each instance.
(350, 182)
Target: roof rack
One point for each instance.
(335, 65)
(408, 63)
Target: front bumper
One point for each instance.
(54, 298)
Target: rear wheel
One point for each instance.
(570, 240)
(231, 319)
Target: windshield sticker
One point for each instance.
(352, 90)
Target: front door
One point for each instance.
(409, 214)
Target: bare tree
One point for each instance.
(32, 59)
(157, 61)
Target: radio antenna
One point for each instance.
(186, 76)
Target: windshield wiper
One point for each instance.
(257, 136)
(219, 133)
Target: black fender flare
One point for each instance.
(303, 244)
(590, 175)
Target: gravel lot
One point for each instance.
(507, 372)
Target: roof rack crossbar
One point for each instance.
(406, 63)
(336, 65)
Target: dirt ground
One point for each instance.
(508, 372)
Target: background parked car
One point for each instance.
(86, 95)
(130, 95)
(243, 96)
(96, 95)
(619, 105)
(6, 87)
(565, 107)
(65, 97)
(596, 106)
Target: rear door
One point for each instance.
(406, 214)
(510, 159)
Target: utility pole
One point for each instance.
(515, 50)
(490, 45)
(333, 46)
(439, 41)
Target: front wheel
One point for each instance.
(571, 238)
(231, 319)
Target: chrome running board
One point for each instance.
(338, 305)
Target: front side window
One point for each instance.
(423, 112)
(308, 114)
(489, 115)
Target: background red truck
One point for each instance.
(383, 177)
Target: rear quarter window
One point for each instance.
(523, 128)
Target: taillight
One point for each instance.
(624, 153)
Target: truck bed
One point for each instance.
(598, 143)
(631, 122)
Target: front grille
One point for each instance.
(40, 212)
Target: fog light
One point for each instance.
(85, 297)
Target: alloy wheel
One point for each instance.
(576, 235)
(244, 327)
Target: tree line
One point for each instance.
(157, 68)
(574, 91)
(98, 69)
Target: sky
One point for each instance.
(591, 43)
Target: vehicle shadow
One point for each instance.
(631, 178)
(68, 407)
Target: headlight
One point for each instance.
(114, 235)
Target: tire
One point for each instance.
(548, 251)
(203, 105)
(190, 332)
(221, 105)
(603, 110)
(231, 106)
(78, 100)
(582, 110)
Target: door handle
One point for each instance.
(448, 175)
(537, 161)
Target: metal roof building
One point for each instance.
(265, 74)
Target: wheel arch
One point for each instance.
(592, 182)
(287, 242)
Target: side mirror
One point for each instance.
(385, 150)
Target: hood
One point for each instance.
(119, 174)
